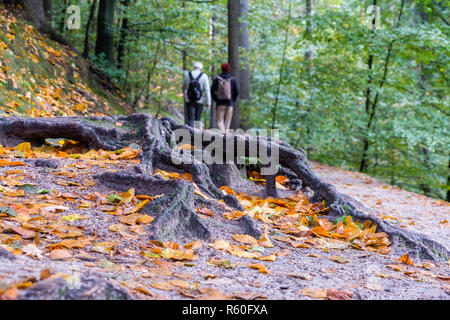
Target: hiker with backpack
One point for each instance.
(196, 89)
(224, 91)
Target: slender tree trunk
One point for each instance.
(244, 60)
(213, 114)
(123, 34)
(308, 36)
(62, 19)
(185, 67)
(233, 52)
(88, 29)
(422, 78)
(105, 30)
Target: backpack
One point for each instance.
(194, 91)
(223, 91)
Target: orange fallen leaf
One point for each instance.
(144, 291)
(406, 259)
(26, 234)
(10, 294)
(162, 285)
(259, 267)
(45, 274)
(60, 254)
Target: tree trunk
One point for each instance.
(233, 52)
(88, 29)
(123, 34)
(308, 36)
(48, 10)
(213, 112)
(105, 30)
(244, 54)
(37, 15)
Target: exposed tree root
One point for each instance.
(175, 211)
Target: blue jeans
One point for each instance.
(194, 110)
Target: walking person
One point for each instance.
(224, 91)
(196, 92)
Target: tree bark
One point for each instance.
(233, 52)
(123, 35)
(48, 10)
(213, 113)
(88, 29)
(105, 30)
(37, 15)
(308, 36)
(244, 60)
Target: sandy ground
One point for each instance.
(297, 273)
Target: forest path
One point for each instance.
(409, 210)
(105, 244)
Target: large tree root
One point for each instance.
(175, 214)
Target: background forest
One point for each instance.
(366, 99)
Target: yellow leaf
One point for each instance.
(220, 245)
(267, 258)
(72, 217)
(245, 238)
(23, 147)
(127, 196)
(138, 207)
(245, 254)
(315, 293)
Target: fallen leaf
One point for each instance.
(162, 285)
(220, 244)
(339, 259)
(60, 254)
(406, 260)
(315, 293)
(245, 238)
(45, 274)
(334, 294)
(144, 291)
(259, 267)
(26, 234)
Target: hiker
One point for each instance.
(195, 88)
(224, 91)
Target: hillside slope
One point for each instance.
(39, 77)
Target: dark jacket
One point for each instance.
(234, 90)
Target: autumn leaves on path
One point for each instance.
(53, 214)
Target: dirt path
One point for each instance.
(102, 245)
(407, 209)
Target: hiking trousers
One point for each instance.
(224, 116)
(194, 110)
